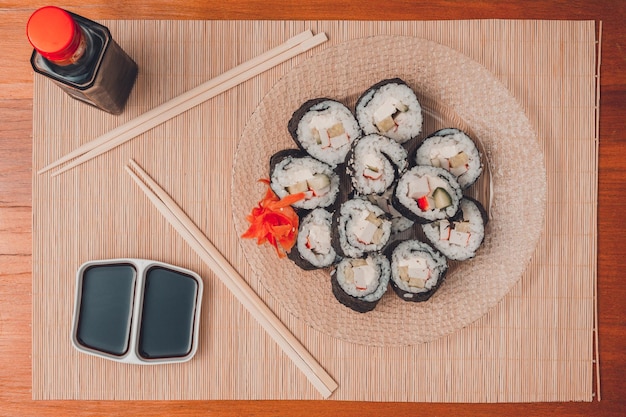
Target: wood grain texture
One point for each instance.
(16, 202)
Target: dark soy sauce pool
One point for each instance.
(106, 308)
(169, 303)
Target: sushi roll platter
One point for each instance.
(423, 112)
(362, 177)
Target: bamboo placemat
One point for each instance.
(534, 345)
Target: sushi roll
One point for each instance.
(325, 129)
(426, 194)
(460, 237)
(359, 227)
(390, 108)
(360, 283)
(399, 223)
(293, 172)
(417, 270)
(374, 163)
(313, 248)
(454, 151)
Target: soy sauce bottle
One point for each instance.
(81, 57)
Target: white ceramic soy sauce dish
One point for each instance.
(137, 311)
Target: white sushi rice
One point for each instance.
(376, 287)
(408, 123)
(315, 231)
(411, 250)
(462, 248)
(351, 220)
(322, 116)
(375, 155)
(446, 143)
(444, 180)
(290, 171)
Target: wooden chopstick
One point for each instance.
(174, 214)
(292, 47)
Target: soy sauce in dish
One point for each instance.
(167, 318)
(106, 307)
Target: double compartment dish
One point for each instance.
(137, 311)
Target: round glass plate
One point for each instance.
(454, 91)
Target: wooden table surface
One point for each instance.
(16, 92)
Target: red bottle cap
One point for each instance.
(53, 33)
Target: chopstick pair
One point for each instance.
(172, 108)
(174, 214)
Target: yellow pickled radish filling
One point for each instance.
(361, 273)
(304, 181)
(328, 132)
(456, 233)
(414, 271)
(451, 159)
(366, 228)
(386, 115)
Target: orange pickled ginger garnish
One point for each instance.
(274, 220)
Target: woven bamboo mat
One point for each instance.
(536, 344)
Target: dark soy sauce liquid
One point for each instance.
(106, 308)
(169, 304)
